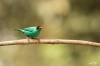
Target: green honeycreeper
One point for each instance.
(31, 32)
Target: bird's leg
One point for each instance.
(38, 39)
(28, 40)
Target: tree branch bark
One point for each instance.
(48, 41)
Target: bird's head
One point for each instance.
(39, 27)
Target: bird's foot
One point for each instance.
(28, 40)
(38, 40)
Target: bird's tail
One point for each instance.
(20, 30)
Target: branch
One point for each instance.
(49, 41)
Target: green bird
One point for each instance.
(31, 32)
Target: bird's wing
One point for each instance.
(31, 29)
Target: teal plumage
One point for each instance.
(31, 32)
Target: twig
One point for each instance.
(49, 41)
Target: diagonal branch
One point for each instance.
(49, 41)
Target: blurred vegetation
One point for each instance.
(66, 19)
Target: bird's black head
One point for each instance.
(39, 27)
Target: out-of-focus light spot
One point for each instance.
(93, 62)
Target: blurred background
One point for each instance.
(64, 19)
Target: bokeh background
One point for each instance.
(64, 19)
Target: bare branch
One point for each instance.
(49, 41)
